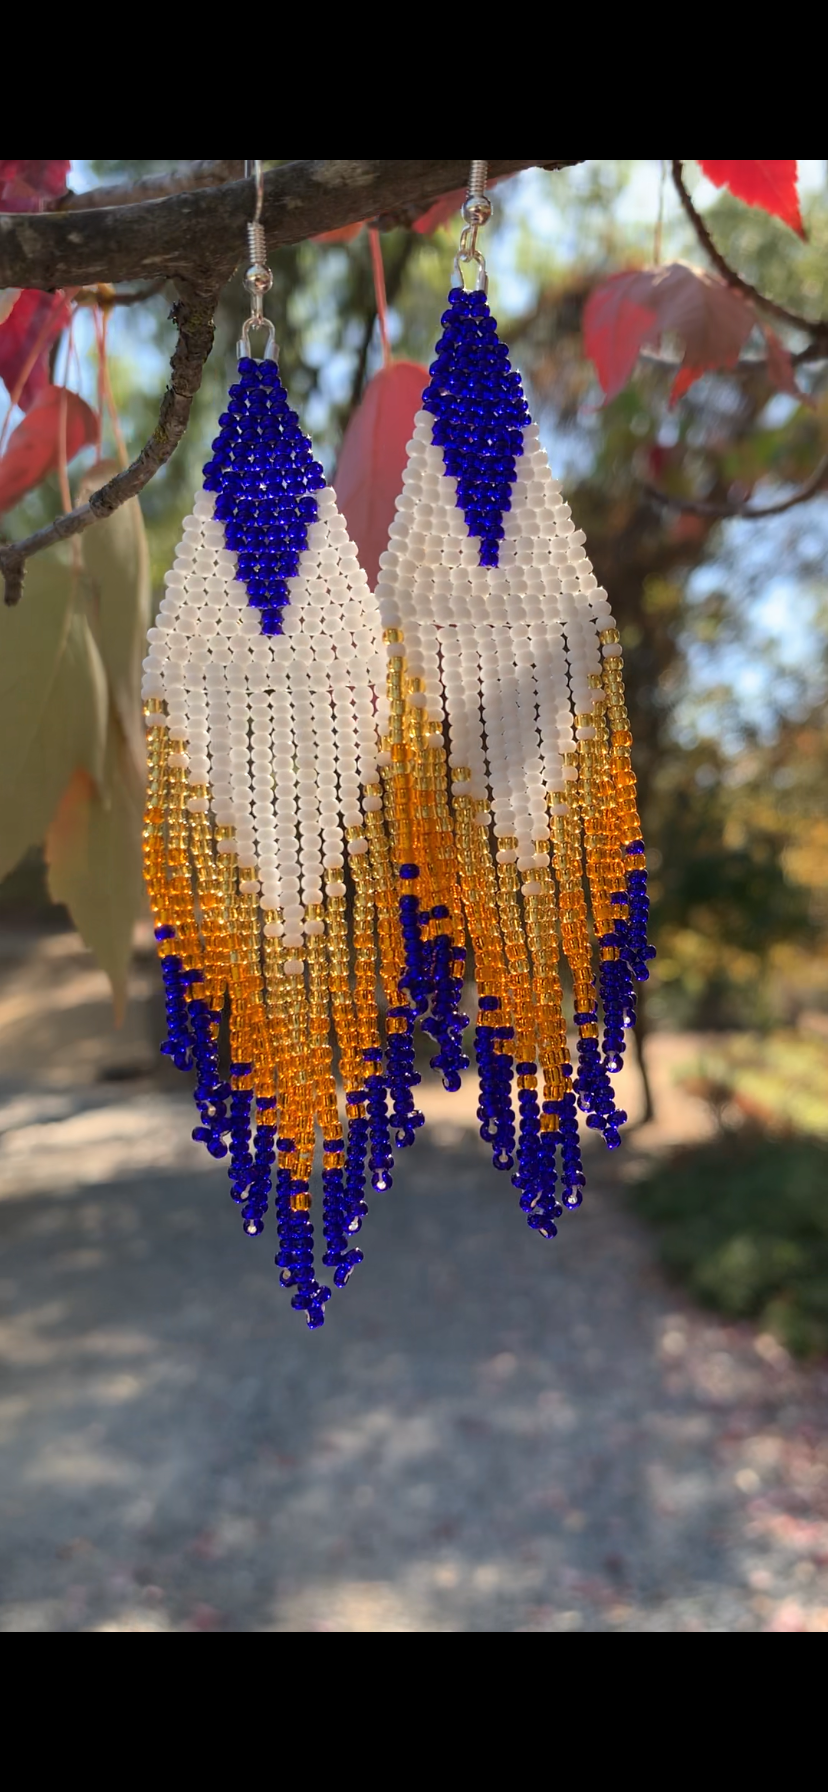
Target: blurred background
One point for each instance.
(624, 1429)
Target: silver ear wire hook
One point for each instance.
(477, 210)
(258, 279)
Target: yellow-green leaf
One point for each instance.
(32, 639)
(93, 850)
(53, 703)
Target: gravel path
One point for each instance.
(490, 1433)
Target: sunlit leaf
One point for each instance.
(66, 685)
(35, 445)
(27, 332)
(617, 324)
(373, 455)
(32, 640)
(770, 185)
(93, 851)
(634, 309)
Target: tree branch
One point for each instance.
(199, 236)
(699, 507)
(193, 314)
(817, 328)
(186, 178)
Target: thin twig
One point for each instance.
(185, 178)
(106, 297)
(699, 507)
(138, 296)
(817, 327)
(193, 314)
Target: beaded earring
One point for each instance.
(495, 624)
(259, 690)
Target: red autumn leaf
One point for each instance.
(372, 458)
(35, 445)
(713, 321)
(26, 336)
(617, 323)
(344, 234)
(771, 185)
(635, 308)
(440, 212)
(24, 185)
(780, 368)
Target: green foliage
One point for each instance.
(743, 1223)
(71, 740)
(724, 899)
(777, 1079)
(53, 701)
(94, 853)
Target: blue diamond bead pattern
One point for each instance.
(479, 414)
(264, 476)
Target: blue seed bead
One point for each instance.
(262, 463)
(479, 415)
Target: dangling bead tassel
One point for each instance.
(528, 838)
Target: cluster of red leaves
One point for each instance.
(634, 309)
(25, 185)
(57, 422)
